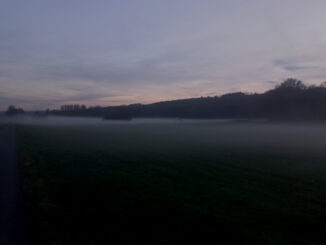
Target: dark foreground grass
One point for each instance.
(174, 184)
(2, 125)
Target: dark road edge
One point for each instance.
(12, 218)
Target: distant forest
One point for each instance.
(292, 100)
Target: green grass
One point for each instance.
(175, 184)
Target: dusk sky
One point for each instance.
(106, 52)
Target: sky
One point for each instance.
(112, 52)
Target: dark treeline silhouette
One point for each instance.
(291, 100)
(123, 112)
(119, 113)
(13, 111)
(73, 108)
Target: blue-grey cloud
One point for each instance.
(300, 64)
(272, 82)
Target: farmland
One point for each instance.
(174, 182)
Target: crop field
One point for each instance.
(204, 182)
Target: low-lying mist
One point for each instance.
(255, 136)
(66, 121)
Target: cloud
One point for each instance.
(271, 82)
(298, 64)
(44, 99)
(296, 68)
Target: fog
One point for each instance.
(256, 136)
(66, 121)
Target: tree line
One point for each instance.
(291, 100)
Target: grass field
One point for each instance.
(175, 183)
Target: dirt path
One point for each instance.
(11, 204)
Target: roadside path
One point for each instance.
(11, 203)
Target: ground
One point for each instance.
(172, 183)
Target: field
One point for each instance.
(174, 183)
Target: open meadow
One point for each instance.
(174, 181)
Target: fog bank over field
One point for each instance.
(70, 121)
(255, 136)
